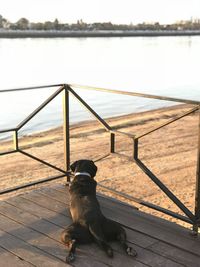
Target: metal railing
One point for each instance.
(66, 89)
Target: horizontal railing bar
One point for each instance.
(8, 130)
(187, 101)
(8, 152)
(168, 122)
(12, 189)
(101, 158)
(166, 98)
(41, 161)
(29, 88)
(124, 156)
(166, 190)
(40, 107)
(137, 200)
(106, 126)
(123, 133)
(149, 205)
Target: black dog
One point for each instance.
(89, 224)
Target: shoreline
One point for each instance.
(170, 153)
(85, 34)
(87, 123)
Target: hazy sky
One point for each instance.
(116, 11)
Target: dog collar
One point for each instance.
(82, 173)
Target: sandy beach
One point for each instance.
(171, 154)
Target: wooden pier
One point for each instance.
(31, 223)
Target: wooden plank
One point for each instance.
(45, 201)
(10, 260)
(187, 259)
(144, 258)
(137, 223)
(33, 221)
(54, 194)
(63, 197)
(27, 252)
(40, 258)
(149, 258)
(119, 257)
(64, 189)
(32, 208)
(36, 239)
(42, 242)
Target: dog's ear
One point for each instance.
(93, 170)
(73, 166)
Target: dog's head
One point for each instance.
(84, 165)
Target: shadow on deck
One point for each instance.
(31, 223)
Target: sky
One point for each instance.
(115, 11)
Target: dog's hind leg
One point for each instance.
(98, 235)
(67, 239)
(74, 234)
(121, 236)
(113, 231)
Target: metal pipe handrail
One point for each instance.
(148, 204)
(7, 152)
(168, 122)
(41, 161)
(165, 98)
(29, 88)
(8, 130)
(166, 190)
(40, 107)
(132, 136)
(106, 126)
(27, 185)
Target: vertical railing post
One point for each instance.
(15, 140)
(197, 193)
(66, 132)
(135, 149)
(112, 143)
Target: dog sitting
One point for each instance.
(89, 224)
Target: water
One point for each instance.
(156, 65)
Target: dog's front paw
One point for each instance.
(70, 258)
(131, 252)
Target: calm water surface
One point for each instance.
(155, 65)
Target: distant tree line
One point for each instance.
(25, 24)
